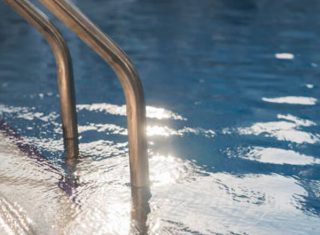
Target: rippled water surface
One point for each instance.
(232, 89)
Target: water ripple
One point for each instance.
(280, 156)
(288, 130)
(299, 100)
(152, 112)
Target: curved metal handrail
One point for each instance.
(118, 60)
(64, 69)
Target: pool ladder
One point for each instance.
(72, 17)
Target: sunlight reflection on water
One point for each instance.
(279, 156)
(288, 130)
(292, 100)
(152, 112)
(236, 203)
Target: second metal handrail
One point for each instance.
(64, 70)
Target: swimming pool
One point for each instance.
(232, 90)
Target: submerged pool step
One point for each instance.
(30, 200)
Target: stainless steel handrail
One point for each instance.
(118, 60)
(64, 69)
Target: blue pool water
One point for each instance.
(232, 89)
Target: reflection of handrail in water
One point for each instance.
(64, 69)
(128, 77)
